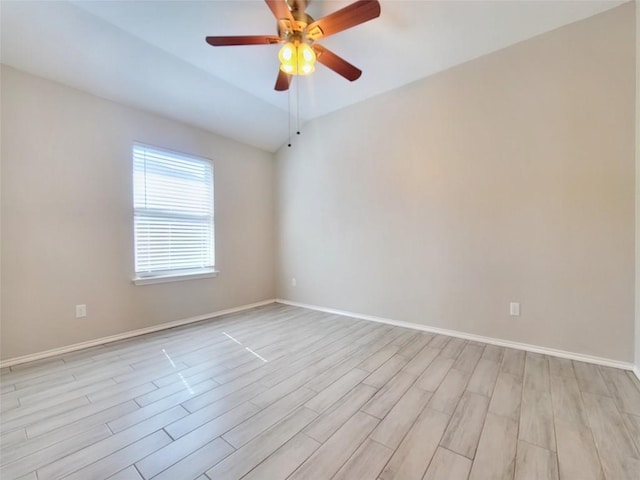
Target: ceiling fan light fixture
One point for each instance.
(307, 53)
(297, 58)
(306, 70)
(287, 53)
(299, 31)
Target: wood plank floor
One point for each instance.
(281, 392)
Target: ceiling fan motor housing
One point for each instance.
(297, 29)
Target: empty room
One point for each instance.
(320, 239)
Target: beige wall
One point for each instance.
(509, 178)
(637, 335)
(67, 219)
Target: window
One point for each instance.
(173, 215)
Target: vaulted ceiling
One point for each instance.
(152, 54)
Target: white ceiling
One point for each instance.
(152, 54)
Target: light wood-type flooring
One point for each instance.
(281, 392)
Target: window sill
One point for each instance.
(175, 277)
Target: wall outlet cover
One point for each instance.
(81, 311)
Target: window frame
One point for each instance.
(177, 274)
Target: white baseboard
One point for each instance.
(134, 333)
(452, 333)
(477, 338)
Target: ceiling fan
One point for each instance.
(298, 31)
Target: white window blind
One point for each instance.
(173, 213)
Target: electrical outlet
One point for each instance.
(514, 309)
(294, 282)
(81, 311)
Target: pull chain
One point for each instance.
(289, 116)
(298, 105)
(289, 110)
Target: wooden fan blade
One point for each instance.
(243, 40)
(347, 17)
(280, 9)
(336, 63)
(282, 82)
